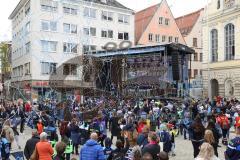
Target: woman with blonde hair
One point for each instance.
(209, 138)
(206, 152)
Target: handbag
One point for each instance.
(34, 155)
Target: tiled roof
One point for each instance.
(112, 3)
(186, 23)
(142, 19)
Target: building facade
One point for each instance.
(156, 25)
(221, 45)
(47, 33)
(190, 26)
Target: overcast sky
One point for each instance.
(178, 7)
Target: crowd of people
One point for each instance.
(110, 129)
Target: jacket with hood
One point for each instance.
(92, 151)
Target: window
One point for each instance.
(89, 12)
(27, 8)
(163, 38)
(218, 4)
(189, 73)
(89, 31)
(200, 72)
(70, 69)
(214, 45)
(27, 47)
(123, 36)
(229, 42)
(107, 33)
(27, 68)
(27, 28)
(108, 16)
(70, 47)
(71, 11)
(157, 38)
(49, 46)
(195, 57)
(49, 5)
(160, 20)
(167, 21)
(195, 42)
(48, 68)
(170, 39)
(201, 57)
(70, 28)
(150, 37)
(89, 48)
(123, 18)
(176, 39)
(49, 26)
(195, 73)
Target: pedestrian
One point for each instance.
(75, 135)
(165, 138)
(206, 152)
(233, 149)
(225, 126)
(107, 150)
(197, 131)
(163, 156)
(31, 144)
(209, 138)
(147, 156)
(152, 147)
(142, 139)
(119, 152)
(92, 150)
(8, 132)
(40, 126)
(60, 148)
(115, 126)
(5, 146)
(44, 148)
(134, 150)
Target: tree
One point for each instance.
(5, 64)
(4, 51)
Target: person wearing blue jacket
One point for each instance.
(92, 150)
(233, 149)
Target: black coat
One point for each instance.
(115, 128)
(30, 146)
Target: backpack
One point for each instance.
(224, 123)
(5, 148)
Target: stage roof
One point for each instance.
(146, 49)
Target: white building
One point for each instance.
(47, 33)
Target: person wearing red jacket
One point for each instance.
(27, 107)
(225, 126)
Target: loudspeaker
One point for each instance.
(175, 66)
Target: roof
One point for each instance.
(145, 50)
(187, 22)
(142, 19)
(112, 3)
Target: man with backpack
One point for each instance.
(4, 146)
(225, 126)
